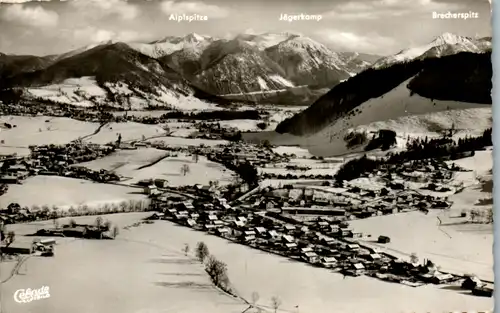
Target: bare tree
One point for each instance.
(255, 298)
(413, 258)
(124, 206)
(489, 216)
(196, 157)
(217, 270)
(71, 211)
(98, 222)
(131, 205)
(185, 169)
(85, 208)
(116, 231)
(202, 251)
(474, 214)
(106, 207)
(107, 225)
(186, 249)
(275, 303)
(139, 206)
(45, 209)
(10, 238)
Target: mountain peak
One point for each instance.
(194, 37)
(189, 38)
(449, 38)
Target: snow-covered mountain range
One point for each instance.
(445, 44)
(171, 44)
(268, 67)
(277, 68)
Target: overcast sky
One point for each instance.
(370, 26)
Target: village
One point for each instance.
(306, 220)
(300, 207)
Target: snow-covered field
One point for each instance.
(66, 192)
(136, 273)
(171, 282)
(40, 130)
(415, 232)
(60, 130)
(74, 91)
(128, 163)
(129, 131)
(86, 92)
(298, 151)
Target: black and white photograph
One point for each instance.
(246, 156)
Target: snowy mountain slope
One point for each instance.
(233, 67)
(446, 44)
(128, 77)
(357, 62)
(462, 77)
(397, 110)
(266, 40)
(81, 50)
(86, 92)
(171, 44)
(307, 62)
(262, 68)
(186, 61)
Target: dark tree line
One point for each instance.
(223, 115)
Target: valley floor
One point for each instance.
(144, 271)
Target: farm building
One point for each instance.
(471, 282)
(18, 248)
(383, 239)
(329, 262)
(151, 190)
(310, 257)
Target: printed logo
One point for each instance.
(28, 295)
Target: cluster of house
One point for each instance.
(323, 243)
(418, 171)
(238, 153)
(13, 170)
(76, 231)
(26, 108)
(57, 160)
(271, 175)
(354, 202)
(212, 131)
(14, 213)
